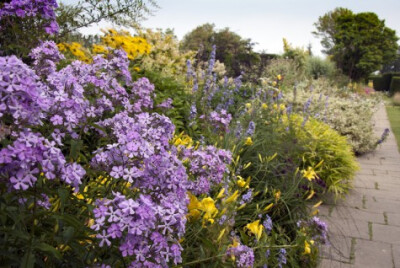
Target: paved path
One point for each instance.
(365, 228)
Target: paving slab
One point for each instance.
(372, 254)
(364, 229)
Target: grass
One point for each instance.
(394, 118)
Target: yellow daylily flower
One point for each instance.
(241, 183)
(221, 193)
(248, 141)
(232, 198)
(307, 248)
(317, 204)
(269, 207)
(255, 228)
(309, 174)
(312, 192)
(277, 195)
(208, 207)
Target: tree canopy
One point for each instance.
(232, 50)
(358, 43)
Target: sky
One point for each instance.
(265, 22)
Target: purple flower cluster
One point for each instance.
(31, 154)
(318, 229)
(282, 257)
(45, 57)
(32, 8)
(147, 230)
(147, 227)
(268, 224)
(23, 96)
(220, 120)
(207, 166)
(244, 256)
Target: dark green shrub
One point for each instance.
(378, 82)
(395, 85)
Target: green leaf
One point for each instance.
(28, 261)
(63, 193)
(68, 234)
(76, 146)
(49, 250)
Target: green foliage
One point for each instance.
(394, 118)
(395, 85)
(169, 87)
(359, 43)
(232, 50)
(317, 67)
(324, 145)
(348, 113)
(379, 82)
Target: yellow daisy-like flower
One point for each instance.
(255, 228)
(309, 174)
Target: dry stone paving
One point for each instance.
(364, 229)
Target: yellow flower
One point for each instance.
(136, 69)
(282, 107)
(309, 174)
(221, 193)
(208, 207)
(248, 105)
(275, 106)
(264, 106)
(248, 141)
(233, 197)
(241, 183)
(317, 204)
(274, 83)
(221, 234)
(307, 248)
(277, 195)
(269, 207)
(279, 77)
(312, 192)
(255, 228)
(99, 49)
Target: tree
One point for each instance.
(234, 51)
(358, 43)
(23, 24)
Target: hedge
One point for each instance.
(395, 85)
(383, 82)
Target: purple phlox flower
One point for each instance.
(167, 104)
(104, 238)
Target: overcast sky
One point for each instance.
(265, 22)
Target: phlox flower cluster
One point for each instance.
(32, 8)
(31, 154)
(244, 256)
(45, 57)
(147, 230)
(207, 166)
(149, 226)
(23, 97)
(220, 120)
